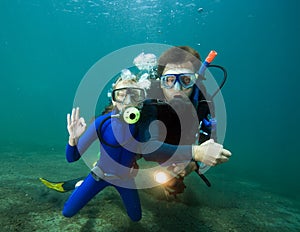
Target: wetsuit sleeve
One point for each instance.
(152, 148)
(155, 150)
(73, 153)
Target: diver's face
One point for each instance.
(177, 89)
(125, 99)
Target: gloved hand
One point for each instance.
(183, 169)
(76, 126)
(210, 153)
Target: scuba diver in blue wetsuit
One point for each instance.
(116, 164)
(175, 93)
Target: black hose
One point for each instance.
(201, 175)
(206, 181)
(223, 81)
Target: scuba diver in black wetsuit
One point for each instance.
(185, 109)
(182, 104)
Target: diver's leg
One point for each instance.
(82, 195)
(131, 201)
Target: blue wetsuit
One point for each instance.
(124, 155)
(116, 161)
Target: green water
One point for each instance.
(46, 47)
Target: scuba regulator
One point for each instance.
(131, 115)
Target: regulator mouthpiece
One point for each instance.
(131, 115)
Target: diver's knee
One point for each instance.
(67, 213)
(135, 217)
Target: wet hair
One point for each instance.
(179, 55)
(126, 81)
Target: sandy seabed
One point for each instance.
(229, 205)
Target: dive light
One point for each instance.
(161, 177)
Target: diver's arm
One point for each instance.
(210, 153)
(73, 153)
(155, 150)
(166, 152)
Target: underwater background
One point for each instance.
(47, 46)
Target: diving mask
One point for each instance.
(187, 80)
(129, 95)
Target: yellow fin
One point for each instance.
(52, 185)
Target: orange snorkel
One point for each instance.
(211, 56)
(207, 63)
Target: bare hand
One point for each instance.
(75, 125)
